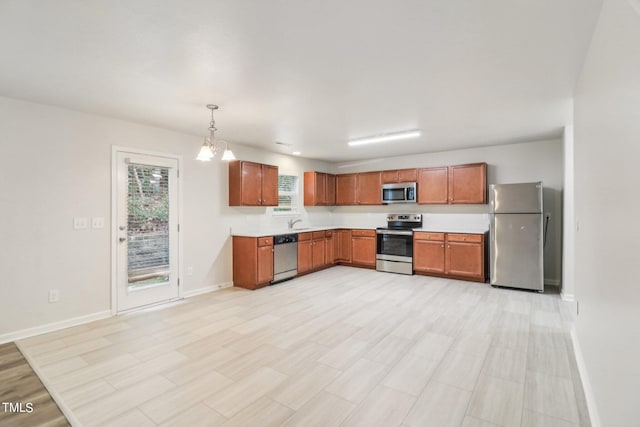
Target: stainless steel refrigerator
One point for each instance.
(516, 235)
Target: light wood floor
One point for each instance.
(20, 385)
(344, 346)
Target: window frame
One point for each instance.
(295, 206)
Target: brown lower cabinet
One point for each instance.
(342, 244)
(305, 252)
(318, 249)
(363, 247)
(315, 250)
(329, 247)
(455, 255)
(252, 261)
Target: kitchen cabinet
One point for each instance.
(319, 189)
(458, 255)
(429, 252)
(468, 184)
(346, 187)
(252, 184)
(252, 261)
(402, 175)
(433, 185)
(342, 241)
(465, 255)
(329, 247)
(318, 251)
(305, 252)
(331, 190)
(461, 184)
(363, 247)
(368, 188)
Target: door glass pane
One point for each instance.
(148, 226)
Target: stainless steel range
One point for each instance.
(394, 248)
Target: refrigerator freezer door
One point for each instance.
(516, 251)
(516, 198)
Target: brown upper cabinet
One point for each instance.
(252, 184)
(368, 188)
(402, 175)
(461, 184)
(346, 189)
(433, 185)
(468, 183)
(319, 189)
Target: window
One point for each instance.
(287, 194)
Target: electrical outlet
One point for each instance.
(54, 295)
(80, 223)
(97, 222)
(190, 270)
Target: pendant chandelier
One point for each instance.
(211, 147)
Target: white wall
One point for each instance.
(607, 184)
(568, 229)
(524, 162)
(55, 164)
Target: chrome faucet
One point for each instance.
(291, 222)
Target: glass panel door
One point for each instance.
(148, 261)
(147, 230)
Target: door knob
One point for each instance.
(122, 239)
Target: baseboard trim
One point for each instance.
(552, 282)
(55, 326)
(206, 289)
(584, 377)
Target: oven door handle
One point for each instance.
(395, 232)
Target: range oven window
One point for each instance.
(393, 244)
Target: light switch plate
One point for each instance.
(80, 223)
(97, 222)
(54, 295)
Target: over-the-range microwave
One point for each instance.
(404, 192)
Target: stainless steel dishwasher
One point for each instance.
(285, 257)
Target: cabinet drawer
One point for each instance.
(471, 238)
(421, 235)
(318, 235)
(265, 241)
(363, 233)
(304, 236)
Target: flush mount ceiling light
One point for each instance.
(414, 133)
(210, 146)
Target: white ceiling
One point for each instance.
(309, 73)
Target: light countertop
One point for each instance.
(454, 229)
(279, 230)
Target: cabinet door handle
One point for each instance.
(442, 246)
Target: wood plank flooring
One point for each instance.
(341, 347)
(20, 386)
